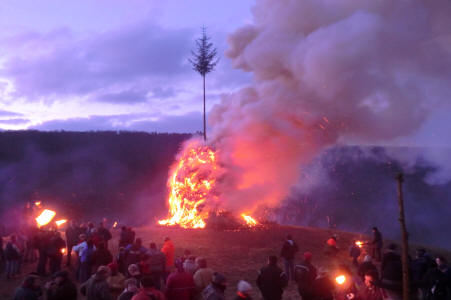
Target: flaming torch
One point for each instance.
(45, 217)
(63, 251)
(340, 279)
(38, 203)
(190, 186)
(60, 222)
(359, 244)
(115, 224)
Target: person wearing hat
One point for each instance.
(61, 287)
(305, 274)
(131, 289)
(30, 289)
(203, 275)
(180, 285)
(244, 288)
(216, 289)
(97, 288)
(115, 279)
(133, 272)
(289, 250)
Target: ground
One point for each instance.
(237, 254)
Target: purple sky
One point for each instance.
(122, 65)
(111, 64)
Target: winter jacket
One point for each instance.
(202, 278)
(104, 234)
(72, 235)
(212, 293)
(391, 267)
(96, 288)
(66, 290)
(101, 257)
(289, 249)
(11, 251)
(149, 294)
(169, 251)
(305, 275)
(180, 286)
(377, 239)
(271, 281)
(157, 260)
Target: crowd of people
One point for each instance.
(138, 272)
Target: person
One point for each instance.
(148, 291)
(104, 234)
(133, 272)
(124, 237)
(391, 273)
(101, 256)
(186, 255)
(354, 253)
(289, 250)
(244, 289)
(133, 252)
(115, 280)
(121, 260)
(419, 267)
(30, 289)
(323, 287)
(90, 230)
(179, 284)
(12, 256)
(131, 289)
(85, 251)
(157, 264)
(144, 265)
(216, 289)
(169, 252)
(331, 246)
(438, 280)
(61, 287)
(305, 274)
(203, 276)
(376, 244)
(370, 291)
(272, 280)
(72, 233)
(96, 287)
(367, 266)
(190, 265)
(56, 243)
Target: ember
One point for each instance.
(45, 217)
(191, 184)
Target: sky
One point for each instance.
(123, 65)
(111, 64)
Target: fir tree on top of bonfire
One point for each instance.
(204, 60)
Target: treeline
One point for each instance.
(85, 174)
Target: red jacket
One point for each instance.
(180, 286)
(144, 294)
(169, 251)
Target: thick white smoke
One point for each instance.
(326, 71)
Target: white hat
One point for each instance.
(244, 286)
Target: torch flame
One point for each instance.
(341, 279)
(37, 203)
(60, 222)
(249, 220)
(63, 250)
(359, 244)
(190, 186)
(45, 217)
(115, 224)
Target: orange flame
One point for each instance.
(60, 222)
(115, 224)
(45, 217)
(341, 279)
(37, 203)
(359, 244)
(63, 250)
(190, 185)
(251, 222)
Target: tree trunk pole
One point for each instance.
(205, 122)
(405, 241)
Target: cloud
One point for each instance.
(15, 121)
(113, 62)
(188, 123)
(6, 113)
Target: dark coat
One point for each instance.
(96, 288)
(271, 281)
(391, 267)
(66, 290)
(24, 293)
(377, 239)
(180, 286)
(305, 275)
(101, 257)
(366, 267)
(289, 250)
(72, 235)
(104, 233)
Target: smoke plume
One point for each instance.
(326, 72)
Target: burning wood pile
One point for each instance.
(193, 199)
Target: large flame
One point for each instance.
(191, 185)
(45, 217)
(251, 222)
(60, 222)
